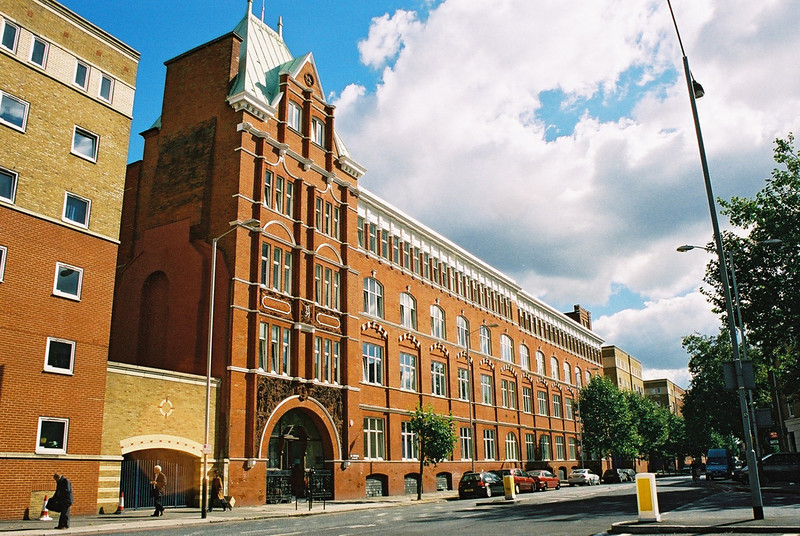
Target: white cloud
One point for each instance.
(458, 114)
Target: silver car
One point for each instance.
(583, 477)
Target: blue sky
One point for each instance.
(554, 138)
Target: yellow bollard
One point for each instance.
(508, 484)
(646, 497)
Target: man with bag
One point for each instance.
(61, 500)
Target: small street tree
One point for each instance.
(606, 418)
(437, 438)
(650, 423)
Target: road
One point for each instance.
(568, 511)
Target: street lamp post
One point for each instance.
(695, 92)
(472, 428)
(251, 225)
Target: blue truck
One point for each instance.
(718, 464)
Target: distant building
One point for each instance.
(666, 394)
(66, 98)
(334, 317)
(624, 370)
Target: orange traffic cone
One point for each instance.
(45, 515)
(121, 507)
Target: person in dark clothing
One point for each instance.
(159, 484)
(63, 497)
(216, 496)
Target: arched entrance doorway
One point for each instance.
(295, 447)
(137, 472)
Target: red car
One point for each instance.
(522, 480)
(545, 479)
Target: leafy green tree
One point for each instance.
(768, 274)
(437, 438)
(607, 423)
(675, 446)
(650, 424)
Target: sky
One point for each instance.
(554, 139)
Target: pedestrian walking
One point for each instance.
(159, 484)
(217, 498)
(62, 499)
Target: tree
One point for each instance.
(768, 275)
(650, 423)
(437, 438)
(607, 422)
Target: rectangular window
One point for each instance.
(3, 254)
(527, 405)
(267, 201)
(372, 362)
(463, 384)
(406, 255)
(408, 371)
(384, 244)
(569, 410)
(288, 207)
(287, 272)
(263, 346)
(335, 291)
(317, 358)
(13, 111)
(573, 448)
(489, 447)
(374, 445)
(326, 362)
(395, 250)
(265, 257)
(52, 436)
(438, 379)
(68, 281)
(10, 36)
(373, 238)
(106, 88)
(360, 222)
(336, 361)
(557, 406)
(84, 144)
(279, 194)
(76, 210)
(530, 447)
(504, 393)
(8, 185)
(318, 132)
(512, 395)
(541, 397)
(274, 349)
(560, 453)
(39, 52)
(465, 437)
(295, 117)
(487, 393)
(277, 263)
(544, 447)
(60, 355)
(286, 354)
(81, 75)
(409, 442)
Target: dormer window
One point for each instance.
(294, 117)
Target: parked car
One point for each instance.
(775, 467)
(522, 480)
(615, 476)
(543, 480)
(480, 485)
(583, 477)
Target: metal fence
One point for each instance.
(136, 477)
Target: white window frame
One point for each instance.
(486, 340)
(438, 379)
(85, 85)
(578, 379)
(560, 449)
(85, 223)
(524, 357)
(14, 181)
(506, 348)
(408, 371)
(527, 400)
(61, 293)
(540, 364)
(373, 297)
(318, 132)
(103, 78)
(465, 436)
(294, 117)
(372, 363)
(6, 24)
(554, 367)
(542, 403)
(3, 255)
(572, 448)
(26, 106)
(462, 331)
(557, 406)
(512, 447)
(37, 39)
(489, 445)
(487, 390)
(59, 370)
(87, 134)
(410, 444)
(438, 322)
(408, 311)
(64, 440)
(463, 385)
(566, 372)
(374, 438)
(544, 447)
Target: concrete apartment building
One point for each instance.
(334, 315)
(66, 98)
(666, 394)
(624, 370)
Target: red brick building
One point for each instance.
(339, 314)
(66, 98)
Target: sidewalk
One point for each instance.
(139, 519)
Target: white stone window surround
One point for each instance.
(85, 144)
(46, 442)
(60, 288)
(9, 36)
(53, 344)
(13, 111)
(38, 52)
(71, 203)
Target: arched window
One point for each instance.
(524, 357)
(540, 363)
(554, 367)
(567, 372)
(506, 348)
(578, 379)
(486, 340)
(462, 331)
(588, 377)
(437, 322)
(512, 447)
(373, 297)
(408, 311)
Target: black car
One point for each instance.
(480, 485)
(611, 476)
(775, 467)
